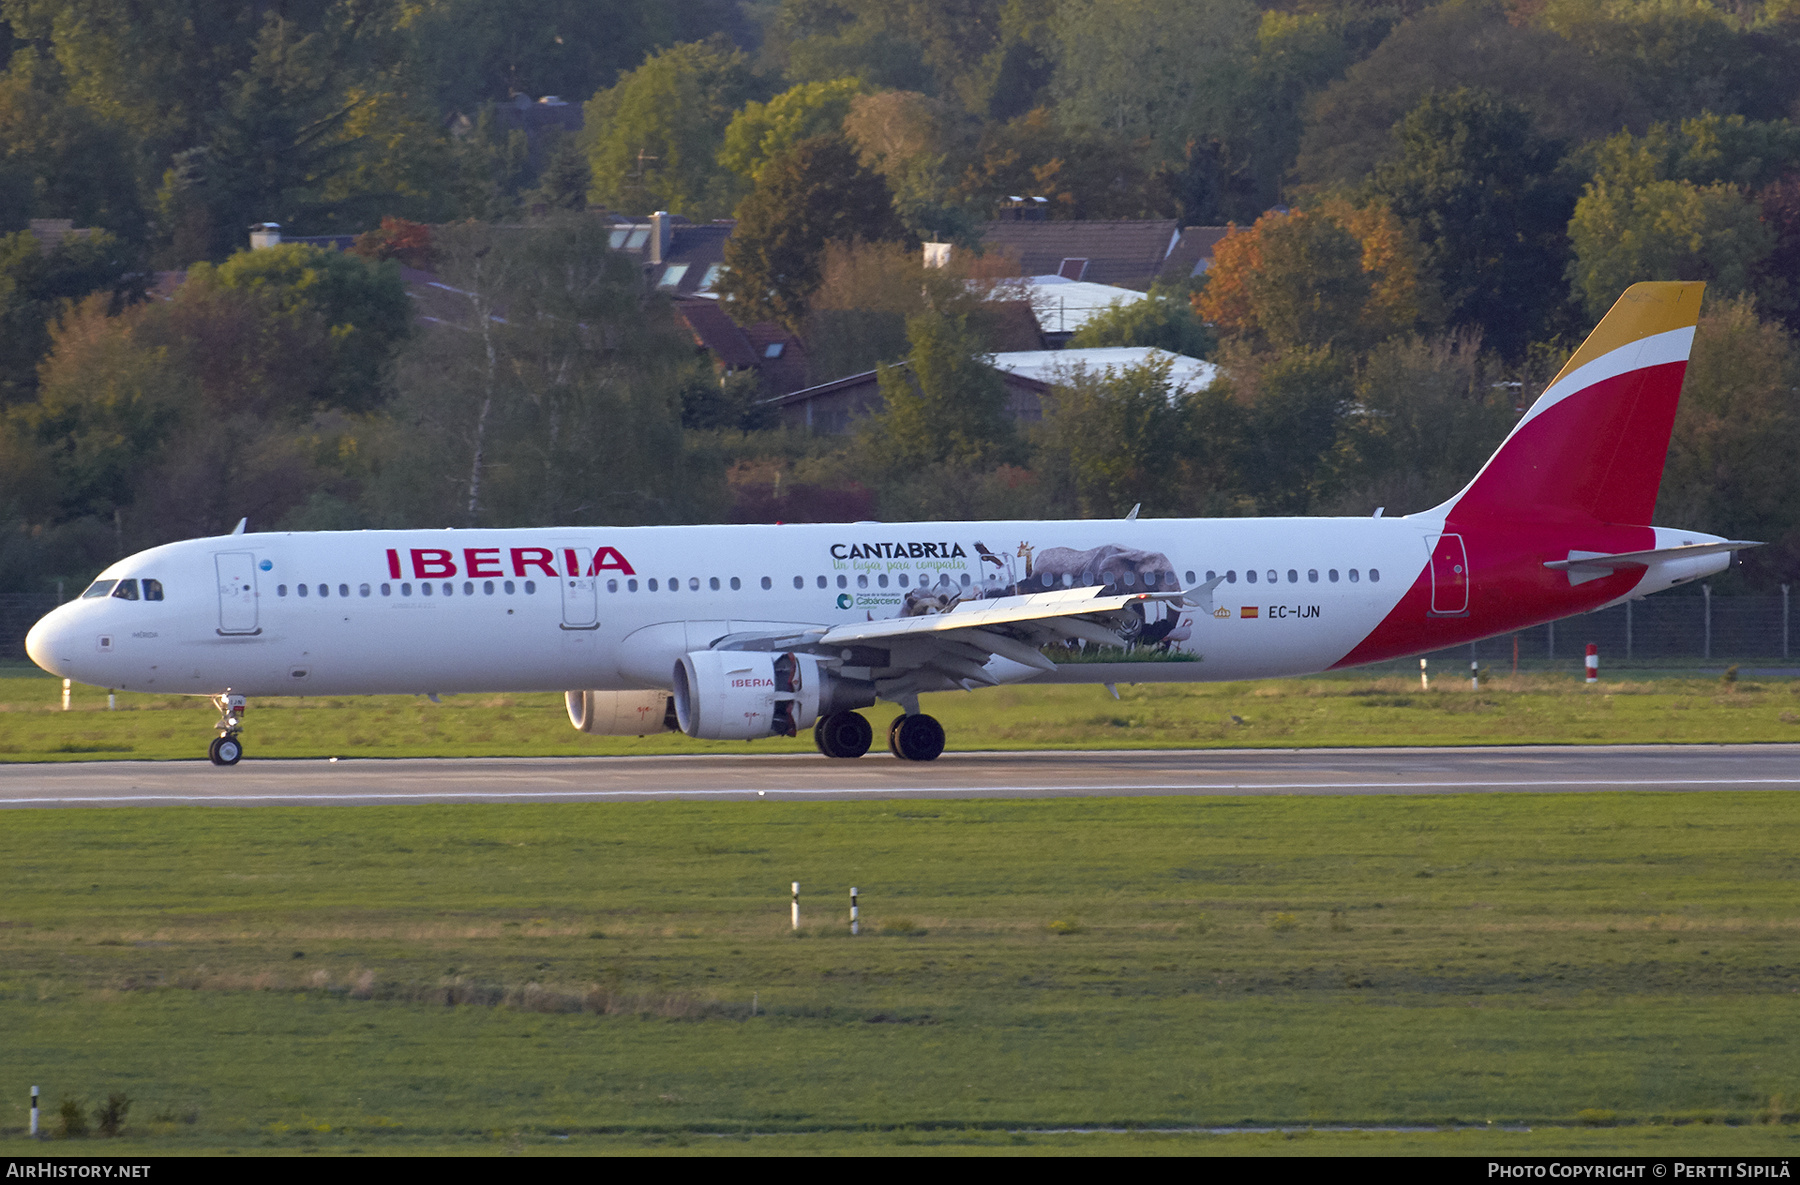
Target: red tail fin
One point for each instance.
(1593, 445)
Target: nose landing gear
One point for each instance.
(227, 748)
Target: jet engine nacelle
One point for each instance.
(739, 695)
(620, 713)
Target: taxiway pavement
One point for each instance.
(1041, 774)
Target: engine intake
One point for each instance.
(739, 695)
(620, 713)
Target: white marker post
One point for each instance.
(1474, 675)
(34, 1113)
(1593, 664)
(65, 695)
(855, 926)
(1424, 679)
(112, 701)
(796, 905)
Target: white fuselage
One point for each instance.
(505, 610)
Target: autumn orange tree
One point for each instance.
(1337, 276)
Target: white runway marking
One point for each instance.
(794, 777)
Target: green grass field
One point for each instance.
(1353, 709)
(1615, 971)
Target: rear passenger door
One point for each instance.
(1449, 576)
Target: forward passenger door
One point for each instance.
(237, 591)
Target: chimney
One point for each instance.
(264, 234)
(661, 230)
(937, 254)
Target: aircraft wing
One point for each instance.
(953, 649)
(941, 651)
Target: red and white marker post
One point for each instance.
(1593, 664)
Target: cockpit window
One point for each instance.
(127, 590)
(152, 590)
(98, 589)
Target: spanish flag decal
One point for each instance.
(1247, 611)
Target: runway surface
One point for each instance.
(955, 775)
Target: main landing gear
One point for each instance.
(843, 734)
(915, 738)
(228, 748)
(910, 738)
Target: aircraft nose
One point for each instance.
(44, 644)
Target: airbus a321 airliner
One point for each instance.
(740, 632)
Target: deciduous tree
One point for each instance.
(1485, 196)
(654, 137)
(814, 194)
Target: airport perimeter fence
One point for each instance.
(1667, 630)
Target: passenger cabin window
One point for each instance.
(1190, 577)
(126, 590)
(736, 584)
(362, 590)
(281, 590)
(1231, 576)
(1250, 575)
(1375, 574)
(1312, 576)
(767, 583)
(1331, 575)
(821, 582)
(1353, 576)
(713, 584)
(799, 582)
(530, 587)
(301, 589)
(99, 589)
(862, 580)
(1293, 576)
(387, 590)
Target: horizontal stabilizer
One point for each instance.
(1583, 566)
